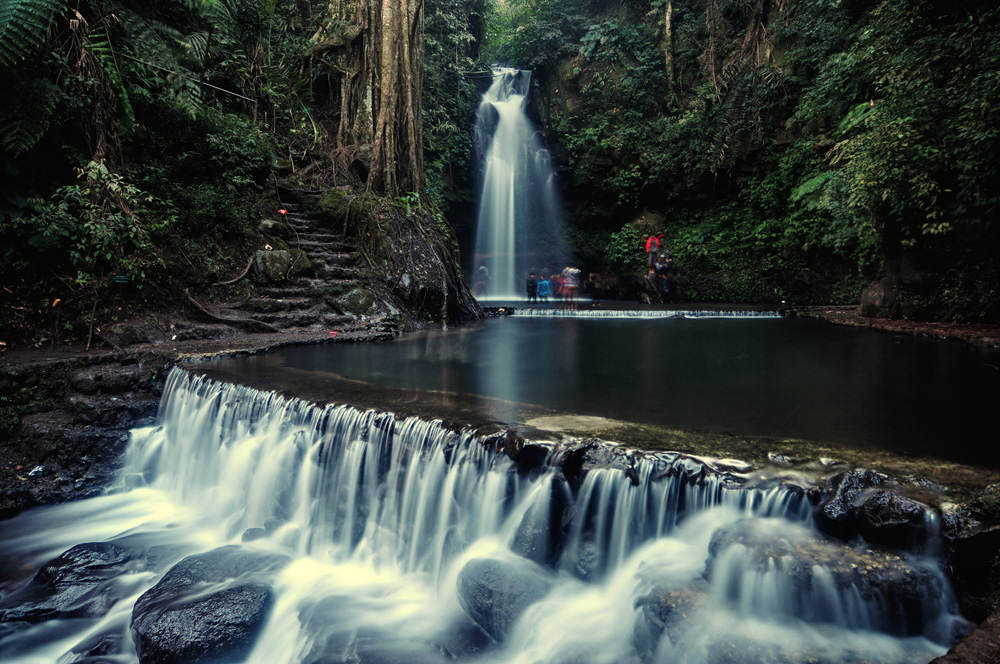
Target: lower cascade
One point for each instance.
(248, 526)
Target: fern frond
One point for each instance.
(24, 26)
(99, 43)
(27, 115)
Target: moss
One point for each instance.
(357, 302)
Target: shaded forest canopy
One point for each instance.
(790, 149)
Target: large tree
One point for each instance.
(376, 48)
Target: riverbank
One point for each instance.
(979, 334)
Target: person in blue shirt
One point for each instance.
(544, 289)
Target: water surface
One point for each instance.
(788, 378)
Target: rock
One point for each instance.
(888, 518)
(110, 378)
(81, 582)
(971, 533)
(665, 611)
(539, 536)
(273, 228)
(356, 302)
(209, 607)
(495, 592)
(782, 460)
(825, 578)
(280, 264)
(835, 516)
(980, 647)
(251, 534)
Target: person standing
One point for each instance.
(544, 289)
(531, 287)
(571, 285)
(653, 248)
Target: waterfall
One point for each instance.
(380, 516)
(535, 312)
(520, 225)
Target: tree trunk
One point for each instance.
(376, 49)
(668, 45)
(711, 26)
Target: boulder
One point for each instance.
(826, 579)
(78, 583)
(540, 535)
(355, 302)
(980, 647)
(207, 608)
(273, 228)
(887, 518)
(665, 610)
(971, 534)
(495, 592)
(835, 515)
(280, 264)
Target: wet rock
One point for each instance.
(982, 646)
(887, 518)
(540, 535)
(782, 460)
(495, 592)
(665, 610)
(579, 457)
(971, 534)
(835, 516)
(826, 574)
(465, 640)
(78, 583)
(209, 607)
(251, 534)
(96, 648)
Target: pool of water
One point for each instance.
(791, 378)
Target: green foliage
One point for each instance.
(24, 27)
(87, 229)
(847, 141)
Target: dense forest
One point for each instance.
(799, 150)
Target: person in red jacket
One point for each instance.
(652, 249)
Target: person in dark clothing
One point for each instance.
(532, 287)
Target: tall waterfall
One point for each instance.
(381, 518)
(521, 225)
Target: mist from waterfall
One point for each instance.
(520, 225)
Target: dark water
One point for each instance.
(755, 377)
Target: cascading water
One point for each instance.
(376, 527)
(643, 314)
(520, 226)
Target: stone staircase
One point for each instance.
(308, 300)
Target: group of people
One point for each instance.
(563, 285)
(657, 284)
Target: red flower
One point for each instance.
(282, 211)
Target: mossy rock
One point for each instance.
(281, 264)
(356, 302)
(335, 204)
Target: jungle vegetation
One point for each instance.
(791, 149)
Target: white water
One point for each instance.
(535, 312)
(379, 515)
(520, 225)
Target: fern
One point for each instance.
(27, 115)
(24, 26)
(99, 43)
